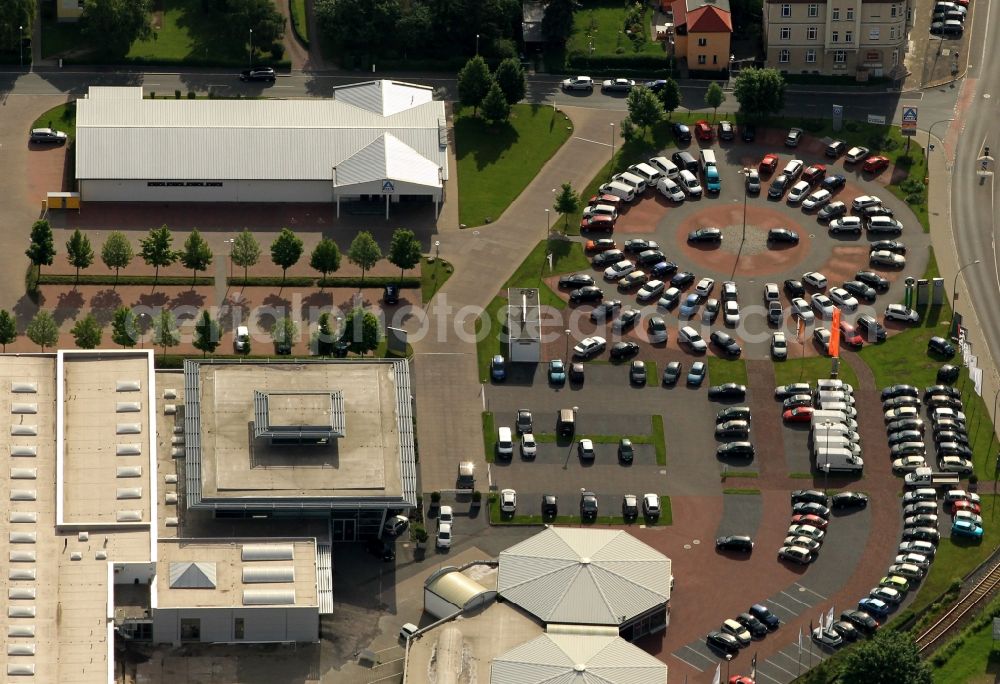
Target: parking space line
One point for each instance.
(787, 610)
(821, 597)
(714, 661)
(807, 605)
(764, 674)
(773, 664)
(686, 662)
(794, 660)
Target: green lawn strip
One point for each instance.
(810, 369)
(741, 491)
(969, 656)
(496, 162)
(299, 22)
(488, 344)
(659, 440)
(84, 279)
(726, 370)
(489, 435)
(497, 518)
(433, 274)
(740, 473)
(601, 24)
(61, 117)
(652, 376)
(800, 476)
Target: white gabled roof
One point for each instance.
(577, 659)
(384, 97)
(387, 158)
(583, 576)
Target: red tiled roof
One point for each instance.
(680, 12)
(708, 19)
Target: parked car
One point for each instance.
(898, 312)
(769, 163)
(846, 224)
(856, 154)
(585, 83)
(47, 136)
(834, 182)
(831, 211)
(793, 137)
(782, 235)
(617, 85)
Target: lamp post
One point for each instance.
(20, 43)
(568, 333)
(729, 659)
(437, 250)
(954, 296)
(927, 151)
(230, 242)
(477, 45)
(611, 169)
(251, 48)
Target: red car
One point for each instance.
(800, 414)
(970, 506)
(598, 222)
(769, 163)
(612, 200)
(810, 519)
(702, 130)
(814, 173)
(602, 245)
(849, 335)
(740, 679)
(875, 164)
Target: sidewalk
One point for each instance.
(449, 396)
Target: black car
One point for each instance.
(940, 346)
(835, 149)
(720, 641)
(637, 245)
(588, 506)
(947, 390)
(590, 293)
(948, 373)
(793, 137)
(627, 320)
(637, 372)
(681, 132)
(607, 258)
(850, 500)
(872, 279)
(762, 613)
(758, 630)
(778, 186)
(810, 496)
(921, 534)
(682, 279)
(605, 310)
(735, 450)
(705, 235)
(860, 290)
(577, 280)
(662, 269)
(626, 452)
(685, 160)
(846, 630)
(390, 294)
(265, 74)
(894, 391)
(726, 343)
(782, 235)
(671, 373)
(550, 506)
(794, 288)
(47, 136)
(735, 542)
(810, 508)
(864, 622)
(831, 211)
(748, 133)
(876, 210)
(834, 182)
(576, 372)
(729, 391)
(650, 257)
(624, 350)
(726, 130)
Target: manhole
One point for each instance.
(696, 541)
(687, 546)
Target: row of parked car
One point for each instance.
(948, 18)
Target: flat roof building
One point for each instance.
(524, 325)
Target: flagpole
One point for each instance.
(799, 672)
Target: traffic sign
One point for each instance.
(909, 125)
(388, 187)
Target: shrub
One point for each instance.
(477, 496)
(915, 198)
(418, 533)
(813, 125)
(852, 126)
(152, 94)
(277, 51)
(435, 497)
(177, 94)
(191, 95)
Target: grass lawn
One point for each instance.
(433, 274)
(741, 491)
(602, 23)
(970, 662)
(299, 22)
(810, 369)
(567, 257)
(489, 436)
(726, 370)
(61, 117)
(495, 163)
(659, 440)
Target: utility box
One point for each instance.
(937, 292)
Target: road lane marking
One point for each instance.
(687, 662)
(596, 142)
(794, 660)
(821, 597)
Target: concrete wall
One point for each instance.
(260, 624)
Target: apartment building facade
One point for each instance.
(859, 38)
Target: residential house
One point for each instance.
(702, 33)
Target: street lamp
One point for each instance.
(251, 48)
(568, 333)
(437, 250)
(477, 45)
(927, 152)
(729, 659)
(230, 242)
(20, 43)
(611, 170)
(954, 297)
(548, 223)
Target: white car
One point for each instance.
(845, 224)
(650, 291)
(959, 515)
(445, 515)
(814, 279)
(884, 257)
(771, 292)
(732, 312)
(692, 339)
(581, 83)
(589, 346)
(843, 299)
(902, 413)
(779, 346)
(529, 447)
(856, 154)
(813, 533)
(618, 85)
(798, 192)
(669, 189)
(508, 501)
(800, 308)
(822, 337)
(619, 270)
(667, 167)
(822, 305)
(865, 201)
(600, 210)
(241, 340)
(443, 540)
(898, 312)
(793, 168)
(907, 464)
(816, 200)
(704, 287)
(651, 505)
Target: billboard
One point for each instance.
(909, 124)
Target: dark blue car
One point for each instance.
(874, 607)
(498, 368)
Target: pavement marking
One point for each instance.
(795, 659)
(702, 655)
(807, 605)
(787, 610)
(686, 662)
(596, 142)
(821, 597)
(773, 664)
(764, 674)
(278, 86)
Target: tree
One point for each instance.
(323, 339)
(628, 130)
(112, 26)
(495, 107)
(714, 97)
(238, 17)
(165, 332)
(124, 330)
(364, 252)
(155, 250)
(510, 77)
(42, 330)
(670, 96)
(116, 252)
(361, 28)
(474, 83)
(760, 91)
(79, 253)
(284, 333)
(15, 13)
(286, 250)
(644, 108)
(87, 332)
(196, 255)
(567, 202)
(8, 328)
(246, 251)
(42, 248)
(557, 22)
(325, 257)
(207, 334)
(404, 250)
(888, 658)
(361, 331)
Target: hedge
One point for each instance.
(62, 279)
(300, 22)
(617, 63)
(301, 281)
(281, 65)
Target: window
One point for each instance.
(892, 11)
(836, 14)
(239, 628)
(190, 629)
(892, 33)
(850, 14)
(895, 57)
(874, 32)
(715, 59)
(810, 56)
(701, 59)
(835, 37)
(786, 10)
(702, 42)
(813, 10)
(848, 36)
(811, 33)
(839, 57)
(784, 56)
(786, 33)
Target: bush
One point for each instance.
(152, 94)
(477, 496)
(813, 125)
(177, 94)
(191, 95)
(915, 198)
(408, 282)
(852, 127)
(658, 65)
(277, 51)
(435, 498)
(418, 533)
(61, 279)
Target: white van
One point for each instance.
(707, 159)
(647, 172)
(822, 444)
(825, 396)
(829, 460)
(505, 443)
(625, 192)
(635, 182)
(839, 406)
(822, 429)
(690, 183)
(668, 168)
(670, 190)
(833, 384)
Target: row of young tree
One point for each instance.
(360, 331)
(494, 93)
(156, 250)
